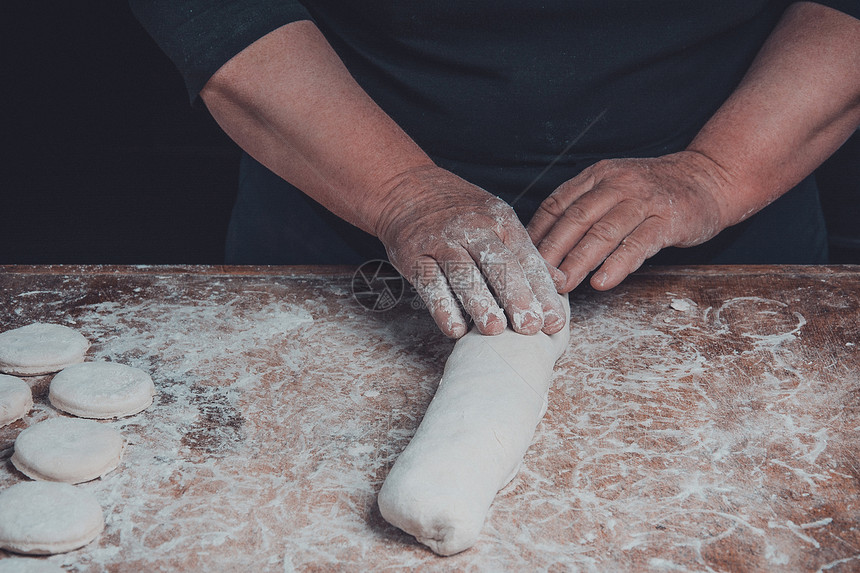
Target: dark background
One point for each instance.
(107, 162)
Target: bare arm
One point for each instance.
(797, 104)
(289, 101)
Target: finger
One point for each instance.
(541, 283)
(558, 277)
(573, 225)
(546, 293)
(468, 284)
(553, 207)
(432, 287)
(506, 277)
(600, 241)
(644, 242)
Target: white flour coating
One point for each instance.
(41, 518)
(535, 311)
(475, 297)
(437, 295)
(40, 348)
(255, 368)
(101, 390)
(67, 450)
(635, 458)
(204, 356)
(472, 438)
(187, 336)
(658, 442)
(28, 565)
(16, 399)
(747, 309)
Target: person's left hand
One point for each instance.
(619, 212)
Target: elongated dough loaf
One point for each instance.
(473, 437)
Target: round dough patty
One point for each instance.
(24, 565)
(101, 390)
(40, 518)
(16, 399)
(68, 450)
(40, 348)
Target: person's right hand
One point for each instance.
(455, 242)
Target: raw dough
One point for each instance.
(682, 304)
(68, 450)
(16, 399)
(40, 348)
(41, 518)
(101, 390)
(473, 436)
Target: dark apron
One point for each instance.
(273, 223)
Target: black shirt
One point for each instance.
(497, 91)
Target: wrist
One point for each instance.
(721, 184)
(400, 193)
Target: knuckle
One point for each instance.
(532, 263)
(633, 251)
(502, 210)
(580, 257)
(553, 206)
(605, 231)
(628, 260)
(443, 254)
(462, 277)
(551, 246)
(576, 215)
(632, 246)
(601, 165)
(507, 210)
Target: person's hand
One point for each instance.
(619, 212)
(455, 242)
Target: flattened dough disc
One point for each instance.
(68, 450)
(40, 348)
(41, 518)
(101, 390)
(23, 565)
(16, 399)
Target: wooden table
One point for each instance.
(718, 433)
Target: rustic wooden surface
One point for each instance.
(722, 437)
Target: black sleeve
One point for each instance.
(201, 35)
(850, 7)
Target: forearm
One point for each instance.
(797, 104)
(289, 101)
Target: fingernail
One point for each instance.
(492, 321)
(558, 277)
(527, 321)
(551, 319)
(599, 280)
(458, 330)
